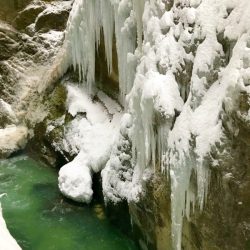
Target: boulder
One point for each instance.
(7, 115)
(28, 15)
(9, 42)
(54, 17)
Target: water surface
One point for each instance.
(41, 219)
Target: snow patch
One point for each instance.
(7, 242)
(90, 135)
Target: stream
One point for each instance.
(39, 218)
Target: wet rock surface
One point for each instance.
(28, 15)
(54, 17)
(9, 43)
(23, 59)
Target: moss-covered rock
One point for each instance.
(43, 143)
(57, 102)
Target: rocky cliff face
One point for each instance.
(26, 52)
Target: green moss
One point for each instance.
(57, 102)
(247, 245)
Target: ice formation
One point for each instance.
(173, 82)
(112, 17)
(90, 135)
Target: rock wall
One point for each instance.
(26, 51)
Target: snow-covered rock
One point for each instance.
(7, 242)
(75, 180)
(90, 136)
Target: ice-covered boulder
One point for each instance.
(90, 136)
(75, 180)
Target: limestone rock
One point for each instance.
(7, 115)
(9, 42)
(54, 17)
(28, 15)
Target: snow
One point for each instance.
(75, 180)
(173, 84)
(159, 94)
(52, 37)
(117, 176)
(167, 20)
(90, 135)
(200, 122)
(182, 144)
(80, 45)
(7, 242)
(239, 20)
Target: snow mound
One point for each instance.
(90, 135)
(75, 180)
(7, 242)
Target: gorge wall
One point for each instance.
(162, 112)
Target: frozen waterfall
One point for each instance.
(171, 67)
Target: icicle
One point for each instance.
(107, 13)
(97, 20)
(81, 40)
(138, 6)
(181, 195)
(125, 32)
(202, 173)
(151, 99)
(83, 37)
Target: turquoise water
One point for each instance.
(40, 219)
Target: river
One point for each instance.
(39, 218)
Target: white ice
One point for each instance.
(7, 242)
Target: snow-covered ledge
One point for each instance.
(7, 242)
(90, 137)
